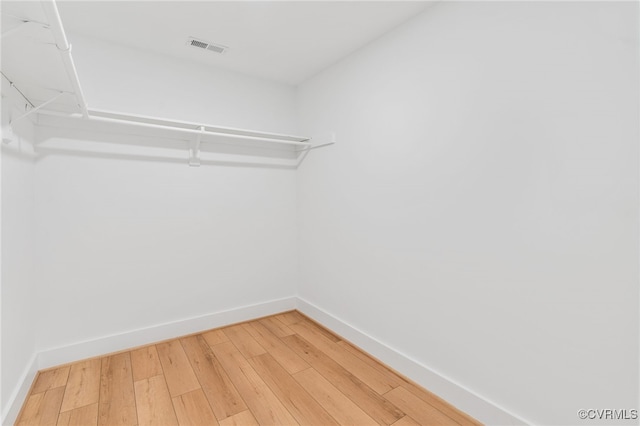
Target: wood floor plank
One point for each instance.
(374, 404)
(290, 317)
(396, 381)
(117, 398)
(340, 407)
(42, 408)
(262, 402)
(213, 337)
(440, 404)
(418, 409)
(369, 375)
(145, 363)
(83, 385)
(295, 398)
(51, 379)
(153, 402)
(30, 409)
(245, 343)
(241, 419)
(393, 379)
(177, 369)
(276, 326)
(425, 395)
(321, 330)
(83, 416)
(218, 388)
(406, 421)
(193, 409)
(276, 347)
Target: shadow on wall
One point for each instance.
(18, 151)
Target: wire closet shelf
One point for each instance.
(194, 133)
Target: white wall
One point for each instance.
(128, 243)
(18, 292)
(162, 86)
(479, 212)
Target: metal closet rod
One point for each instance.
(178, 129)
(194, 125)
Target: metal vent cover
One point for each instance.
(216, 48)
(201, 44)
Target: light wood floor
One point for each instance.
(279, 370)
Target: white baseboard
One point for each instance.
(19, 394)
(129, 339)
(139, 337)
(456, 394)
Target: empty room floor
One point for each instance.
(283, 369)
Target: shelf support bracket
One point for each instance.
(320, 145)
(305, 151)
(34, 109)
(194, 160)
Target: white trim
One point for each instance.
(11, 411)
(454, 393)
(142, 336)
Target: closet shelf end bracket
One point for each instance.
(194, 160)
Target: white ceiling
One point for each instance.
(285, 41)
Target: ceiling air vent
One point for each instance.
(200, 44)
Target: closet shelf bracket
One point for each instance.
(34, 109)
(320, 145)
(194, 160)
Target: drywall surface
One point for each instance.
(124, 245)
(479, 212)
(127, 240)
(123, 79)
(18, 245)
